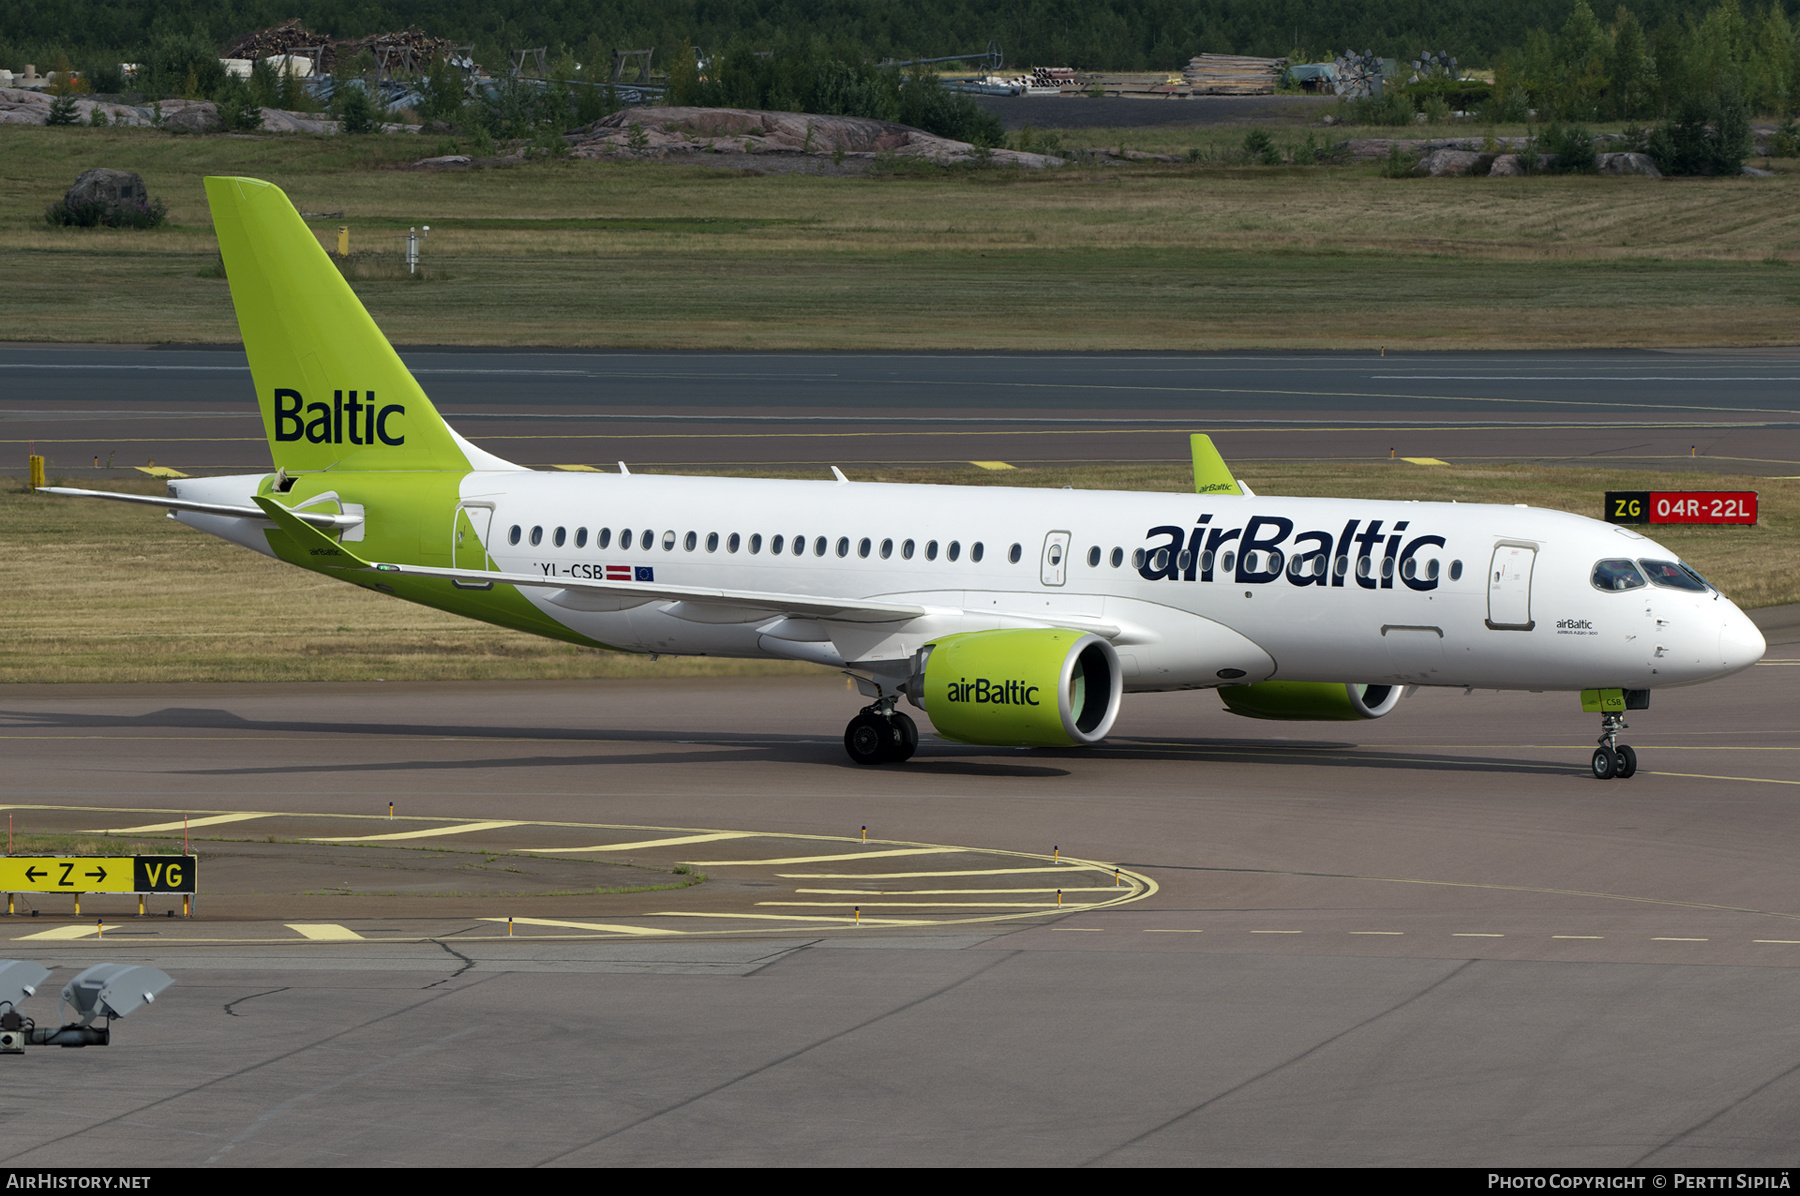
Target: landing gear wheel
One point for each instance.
(1627, 762)
(1606, 764)
(909, 736)
(871, 739)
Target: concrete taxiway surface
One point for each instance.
(1427, 939)
(192, 409)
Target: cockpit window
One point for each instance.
(1674, 576)
(1619, 574)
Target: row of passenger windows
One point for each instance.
(777, 545)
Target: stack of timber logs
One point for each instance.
(1233, 75)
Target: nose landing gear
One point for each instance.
(880, 734)
(1611, 758)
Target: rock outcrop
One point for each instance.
(1448, 163)
(742, 134)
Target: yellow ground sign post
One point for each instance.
(98, 874)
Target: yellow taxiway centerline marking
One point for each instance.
(1667, 939)
(607, 927)
(1379, 931)
(428, 833)
(1788, 942)
(1119, 890)
(798, 918)
(1077, 929)
(324, 932)
(210, 820)
(1155, 930)
(646, 844)
(1277, 932)
(1577, 936)
(1461, 935)
(64, 933)
(1701, 776)
(958, 905)
(925, 875)
(823, 859)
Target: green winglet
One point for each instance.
(1211, 475)
(319, 549)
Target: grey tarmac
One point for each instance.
(192, 409)
(1426, 939)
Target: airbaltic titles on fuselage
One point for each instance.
(365, 422)
(1266, 549)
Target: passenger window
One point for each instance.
(1093, 556)
(1118, 557)
(954, 551)
(756, 543)
(1614, 575)
(1228, 562)
(537, 536)
(1455, 570)
(512, 537)
(1431, 570)
(1672, 576)
(1015, 552)
(1137, 559)
(975, 551)
(843, 545)
(864, 547)
(731, 543)
(1206, 562)
(1343, 566)
(689, 542)
(906, 551)
(887, 549)
(776, 544)
(581, 537)
(820, 545)
(559, 536)
(712, 541)
(625, 538)
(931, 550)
(669, 540)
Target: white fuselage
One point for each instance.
(1298, 589)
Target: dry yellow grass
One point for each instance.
(101, 592)
(610, 254)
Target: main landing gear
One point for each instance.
(1611, 758)
(880, 734)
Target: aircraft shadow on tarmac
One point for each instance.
(941, 759)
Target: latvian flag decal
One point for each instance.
(618, 573)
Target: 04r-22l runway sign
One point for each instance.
(97, 874)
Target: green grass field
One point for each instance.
(102, 592)
(1083, 257)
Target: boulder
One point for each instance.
(1447, 163)
(1628, 163)
(113, 189)
(1753, 172)
(1506, 166)
(192, 116)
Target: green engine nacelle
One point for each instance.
(1026, 687)
(1310, 701)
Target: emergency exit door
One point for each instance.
(1055, 568)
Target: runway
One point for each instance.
(192, 409)
(1426, 939)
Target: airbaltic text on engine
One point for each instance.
(998, 693)
(327, 425)
(1184, 555)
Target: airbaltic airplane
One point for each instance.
(1013, 617)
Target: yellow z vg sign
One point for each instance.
(98, 874)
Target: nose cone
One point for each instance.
(1741, 644)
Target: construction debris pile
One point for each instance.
(744, 135)
(1233, 75)
(405, 50)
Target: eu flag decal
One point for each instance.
(646, 573)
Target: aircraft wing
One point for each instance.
(312, 518)
(809, 606)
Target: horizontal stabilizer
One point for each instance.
(316, 519)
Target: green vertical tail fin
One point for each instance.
(333, 393)
(1211, 474)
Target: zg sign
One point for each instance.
(1681, 506)
(98, 874)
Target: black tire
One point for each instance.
(1627, 762)
(870, 739)
(1606, 764)
(909, 736)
